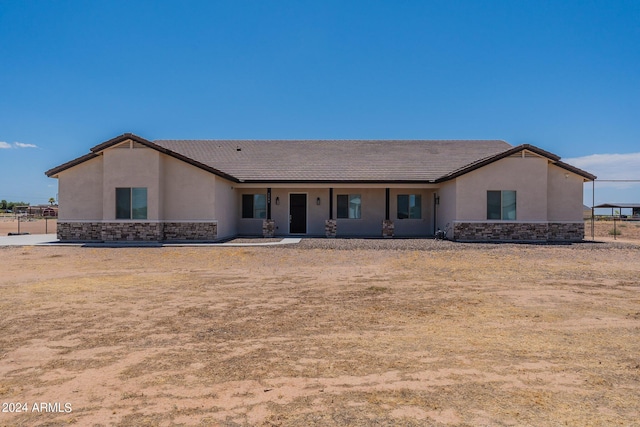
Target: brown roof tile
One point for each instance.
(335, 160)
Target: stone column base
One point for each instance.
(330, 227)
(268, 227)
(387, 228)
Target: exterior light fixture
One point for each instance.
(318, 201)
(277, 200)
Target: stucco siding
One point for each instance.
(527, 176)
(565, 190)
(446, 209)
(370, 223)
(226, 210)
(408, 227)
(188, 193)
(250, 226)
(131, 167)
(80, 192)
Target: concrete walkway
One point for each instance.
(284, 241)
(28, 240)
(52, 239)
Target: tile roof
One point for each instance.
(320, 161)
(335, 160)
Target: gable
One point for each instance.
(521, 151)
(330, 161)
(134, 141)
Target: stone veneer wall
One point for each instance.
(519, 231)
(136, 231)
(190, 230)
(69, 231)
(561, 231)
(131, 231)
(330, 227)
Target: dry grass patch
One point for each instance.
(299, 336)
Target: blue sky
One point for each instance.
(562, 75)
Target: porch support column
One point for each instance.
(435, 212)
(386, 204)
(269, 203)
(330, 225)
(331, 203)
(387, 224)
(268, 225)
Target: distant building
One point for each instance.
(38, 210)
(633, 208)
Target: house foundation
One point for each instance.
(79, 231)
(136, 231)
(518, 231)
(189, 231)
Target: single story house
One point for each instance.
(129, 188)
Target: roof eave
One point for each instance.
(336, 181)
(555, 159)
(586, 175)
(53, 172)
(95, 152)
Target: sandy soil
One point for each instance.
(299, 336)
(40, 226)
(625, 230)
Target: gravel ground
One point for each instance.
(440, 245)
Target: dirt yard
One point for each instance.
(324, 333)
(625, 230)
(39, 226)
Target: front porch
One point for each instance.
(338, 211)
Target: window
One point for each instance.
(131, 203)
(349, 206)
(409, 206)
(254, 206)
(501, 205)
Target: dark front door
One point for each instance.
(297, 213)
